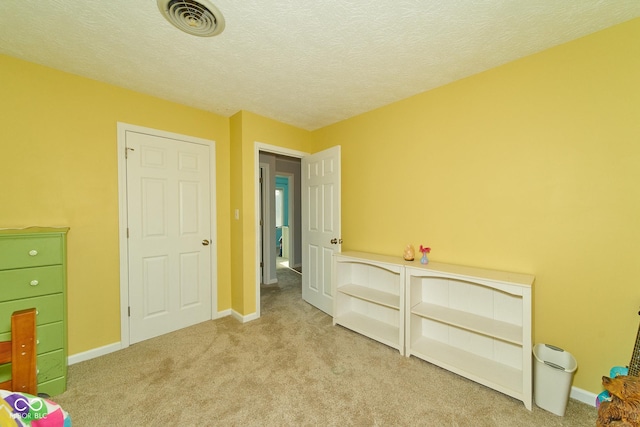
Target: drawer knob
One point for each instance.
(33, 252)
(34, 283)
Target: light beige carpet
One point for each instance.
(291, 367)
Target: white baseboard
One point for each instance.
(583, 396)
(223, 313)
(93, 353)
(110, 348)
(244, 319)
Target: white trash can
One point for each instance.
(552, 376)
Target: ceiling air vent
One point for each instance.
(197, 17)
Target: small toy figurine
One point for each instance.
(409, 253)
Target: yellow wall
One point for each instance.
(236, 231)
(59, 167)
(533, 167)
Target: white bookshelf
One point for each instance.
(473, 322)
(369, 296)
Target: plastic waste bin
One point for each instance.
(552, 376)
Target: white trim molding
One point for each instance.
(583, 396)
(244, 319)
(94, 352)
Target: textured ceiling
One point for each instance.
(308, 63)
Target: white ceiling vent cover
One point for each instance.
(197, 17)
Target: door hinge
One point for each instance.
(129, 311)
(127, 232)
(261, 264)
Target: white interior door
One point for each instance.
(169, 228)
(321, 225)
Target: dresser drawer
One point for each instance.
(31, 282)
(50, 309)
(53, 387)
(51, 365)
(30, 251)
(49, 337)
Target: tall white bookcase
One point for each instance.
(471, 321)
(369, 296)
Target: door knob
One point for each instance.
(335, 241)
(205, 242)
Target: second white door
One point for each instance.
(169, 243)
(321, 225)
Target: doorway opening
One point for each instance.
(285, 238)
(280, 210)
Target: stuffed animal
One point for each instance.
(624, 407)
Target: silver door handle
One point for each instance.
(205, 242)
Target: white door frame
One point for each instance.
(122, 231)
(274, 149)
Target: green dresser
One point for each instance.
(33, 273)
